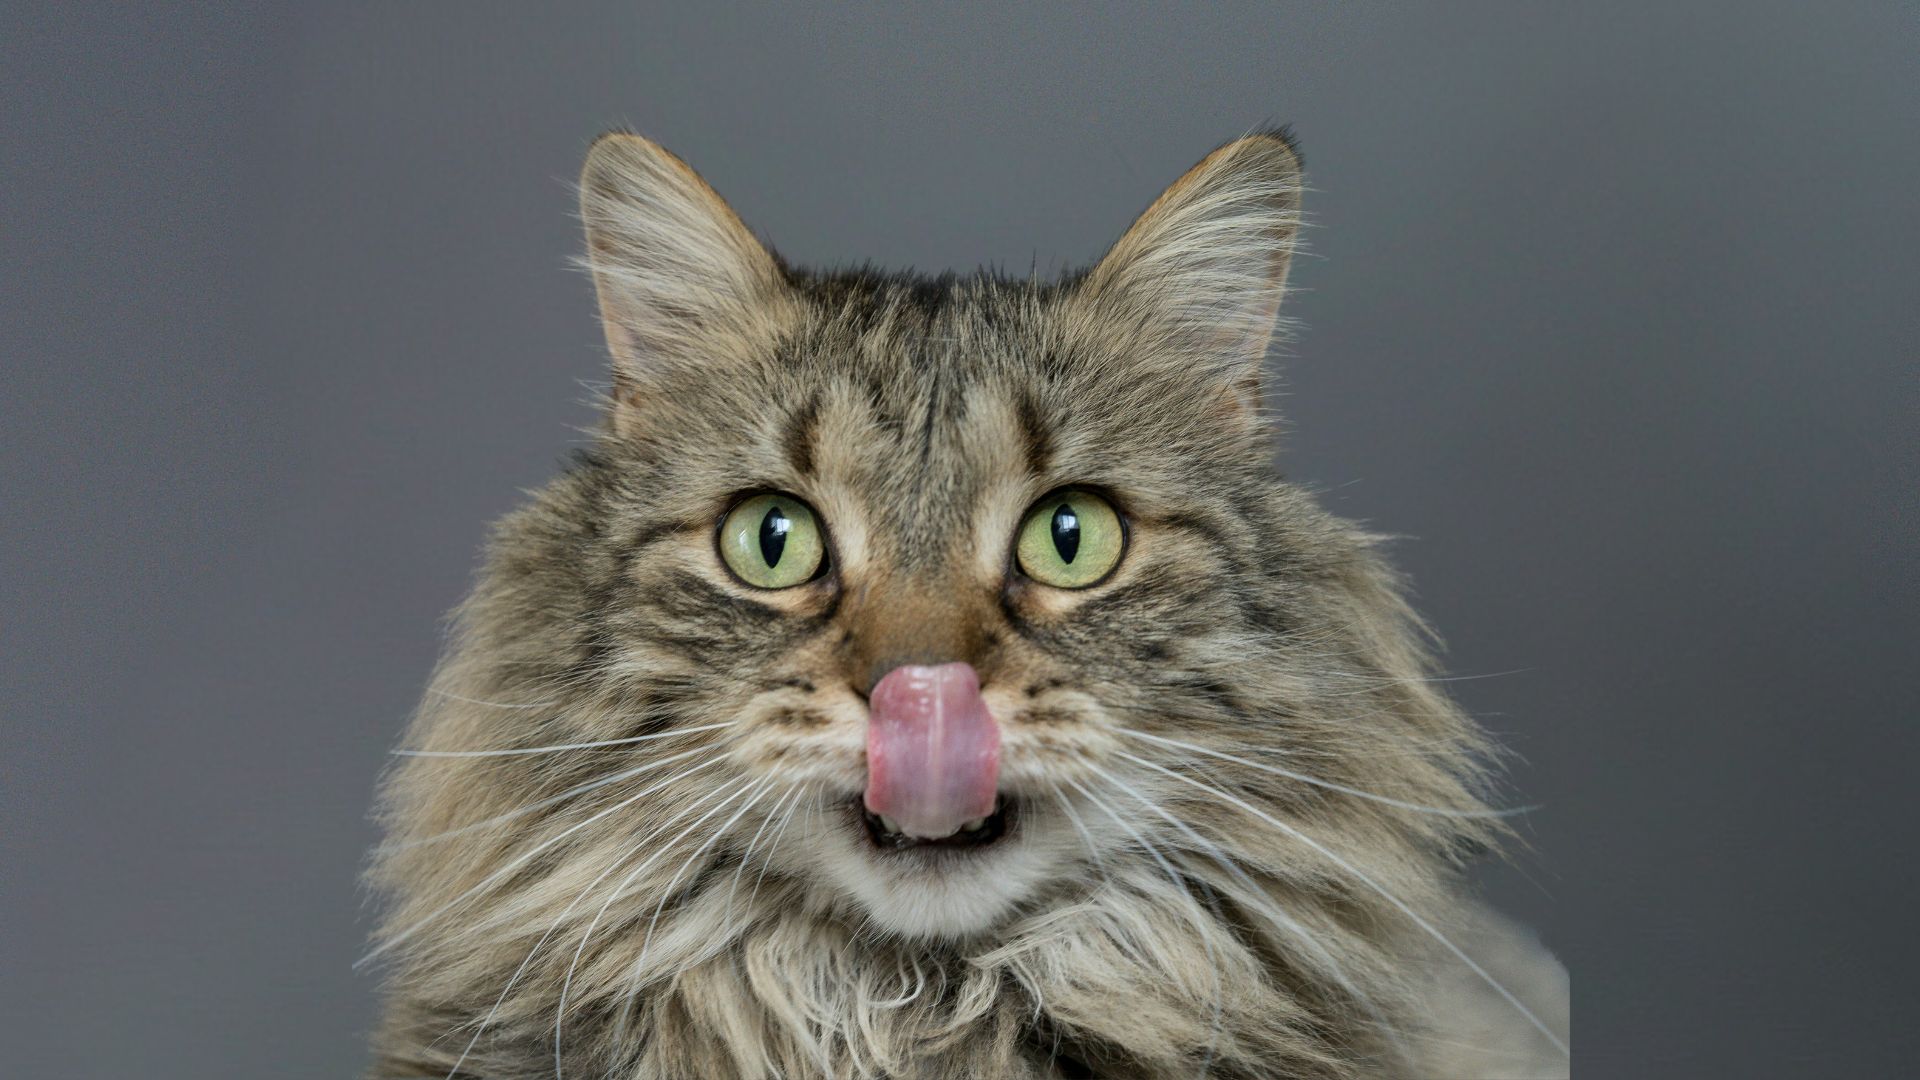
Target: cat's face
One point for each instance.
(905, 457)
(983, 474)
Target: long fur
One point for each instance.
(622, 846)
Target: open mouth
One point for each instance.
(977, 833)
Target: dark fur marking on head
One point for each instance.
(658, 531)
(1037, 439)
(1152, 651)
(1048, 717)
(1019, 622)
(823, 621)
(692, 596)
(1213, 534)
(798, 718)
(798, 436)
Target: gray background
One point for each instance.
(1610, 313)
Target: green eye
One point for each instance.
(1070, 540)
(772, 541)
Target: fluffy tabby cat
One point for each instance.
(932, 678)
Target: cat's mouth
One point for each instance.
(978, 833)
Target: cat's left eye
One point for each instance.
(772, 541)
(1070, 540)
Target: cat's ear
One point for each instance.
(680, 278)
(1199, 276)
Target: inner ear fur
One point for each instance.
(1199, 276)
(680, 278)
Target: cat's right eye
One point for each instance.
(772, 541)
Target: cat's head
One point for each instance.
(943, 605)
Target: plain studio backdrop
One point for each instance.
(1609, 314)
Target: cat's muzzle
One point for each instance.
(933, 753)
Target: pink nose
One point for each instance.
(933, 750)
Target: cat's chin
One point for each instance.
(940, 890)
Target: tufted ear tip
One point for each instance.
(603, 162)
(619, 162)
(1282, 143)
(635, 189)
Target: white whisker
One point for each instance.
(766, 861)
(1399, 680)
(1079, 826)
(1213, 964)
(531, 953)
(646, 943)
(563, 746)
(746, 857)
(1269, 910)
(500, 874)
(578, 789)
(740, 788)
(449, 695)
(1404, 908)
(1315, 781)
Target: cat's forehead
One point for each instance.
(916, 413)
(941, 371)
(899, 334)
(930, 409)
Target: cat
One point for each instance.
(931, 677)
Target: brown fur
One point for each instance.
(1159, 910)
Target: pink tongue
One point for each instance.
(933, 750)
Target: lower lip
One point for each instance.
(999, 826)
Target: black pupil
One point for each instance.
(1066, 532)
(773, 536)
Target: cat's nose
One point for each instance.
(868, 681)
(895, 622)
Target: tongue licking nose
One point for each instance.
(933, 750)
